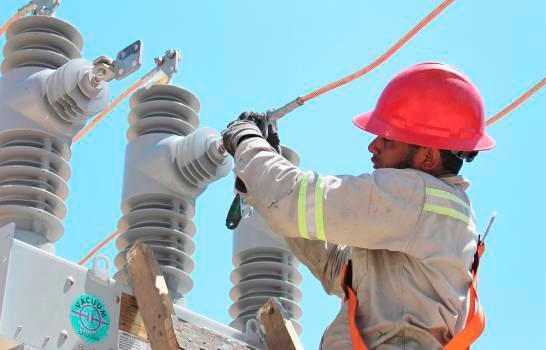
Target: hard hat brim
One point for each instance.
(374, 125)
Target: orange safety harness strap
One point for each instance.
(475, 322)
(350, 297)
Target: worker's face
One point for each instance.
(391, 154)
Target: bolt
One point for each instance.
(158, 61)
(70, 281)
(170, 53)
(46, 340)
(64, 333)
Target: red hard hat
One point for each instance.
(432, 105)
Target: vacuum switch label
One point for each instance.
(90, 318)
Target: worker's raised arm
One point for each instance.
(324, 260)
(375, 211)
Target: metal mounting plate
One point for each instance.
(128, 60)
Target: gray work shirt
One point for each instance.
(410, 235)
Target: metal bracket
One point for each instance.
(128, 61)
(168, 64)
(101, 274)
(45, 7)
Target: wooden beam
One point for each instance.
(152, 297)
(279, 332)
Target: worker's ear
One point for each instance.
(428, 159)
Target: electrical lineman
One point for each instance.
(404, 234)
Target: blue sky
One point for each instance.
(255, 55)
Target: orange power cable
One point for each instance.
(108, 109)
(517, 102)
(99, 247)
(20, 13)
(381, 58)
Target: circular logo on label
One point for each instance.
(89, 318)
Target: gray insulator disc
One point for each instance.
(34, 139)
(166, 93)
(36, 157)
(46, 24)
(266, 269)
(33, 58)
(157, 235)
(32, 219)
(265, 287)
(33, 177)
(240, 324)
(193, 158)
(32, 197)
(65, 95)
(176, 280)
(42, 41)
(265, 254)
(157, 218)
(249, 306)
(163, 108)
(160, 201)
(161, 125)
(166, 256)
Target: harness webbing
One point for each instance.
(475, 322)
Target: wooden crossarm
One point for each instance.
(279, 332)
(152, 297)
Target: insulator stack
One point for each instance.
(169, 162)
(264, 268)
(40, 41)
(163, 109)
(70, 93)
(34, 138)
(34, 172)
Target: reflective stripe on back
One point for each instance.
(447, 195)
(447, 212)
(447, 204)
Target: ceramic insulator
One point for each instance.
(34, 172)
(70, 93)
(34, 151)
(158, 209)
(264, 268)
(40, 41)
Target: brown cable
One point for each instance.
(99, 247)
(385, 56)
(23, 11)
(517, 102)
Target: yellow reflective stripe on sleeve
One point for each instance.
(319, 209)
(446, 211)
(302, 194)
(446, 195)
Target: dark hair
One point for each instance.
(451, 162)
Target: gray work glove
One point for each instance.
(238, 131)
(269, 130)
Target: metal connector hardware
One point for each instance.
(126, 63)
(45, 7)
(168, 65)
